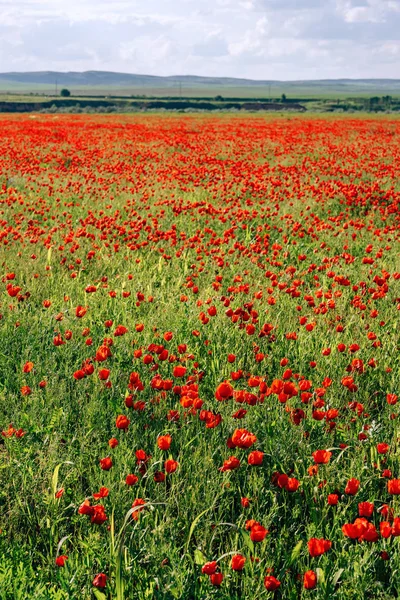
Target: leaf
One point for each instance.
(55, 419)
(60, 543)
(112, 531)
(337, 576)
(193, 525)
(54, 479)
(247, 540)
(296, 551)
(199, 557)
(99, 595)
(320, 576)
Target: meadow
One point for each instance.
(199, 360)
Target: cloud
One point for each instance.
(263, 39)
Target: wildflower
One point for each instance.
(61, 560)
(309, 580)
(237, 562)
(271, 583)
(316, 547)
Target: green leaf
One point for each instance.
(247, 540)
(99, 595)
(193, 525)
(54, 479)
(296, 551)
(337, 576)
(320, 576)
(199, 557)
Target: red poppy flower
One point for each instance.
(164, 442)
(103, 353)
(316, 547)
(237, 562)
(137, 504)
(241, 438)
(104, 374)
(80, 311)
(230, 464)
(224, 391)
(216, 579)
(131, 479)
(171, 466)
(106, 463)
(86, 508)
(61, 560)
(102, 493)
(99, 515)
(255, 458)
(100, 580)
(393, 487)
(321, 457)
(120, 330)
(258, 533)
(271, 583)
(385, 529)
(309, 580)
(382, 448)
(179, 371)
(209, 568)
(365, 509)
(352, 487)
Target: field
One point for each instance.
(199, 361)
(103, 84)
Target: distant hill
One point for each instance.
(127, 84)
(109, 78)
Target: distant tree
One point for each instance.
(218, 98)
(65, 93)
(283, 97)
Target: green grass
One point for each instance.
(333, 92)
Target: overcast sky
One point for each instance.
(260, 39)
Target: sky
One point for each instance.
(257, 39)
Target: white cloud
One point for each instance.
(263, 39)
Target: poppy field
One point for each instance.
(199, 360)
